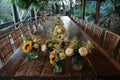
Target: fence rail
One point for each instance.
(7, 28)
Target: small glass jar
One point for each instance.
(77, 62)
(57, 67)
(33, 54)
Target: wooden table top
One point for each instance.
(95, 65)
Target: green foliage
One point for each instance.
(5, 11)
(106, 8)
(78, 12)
(89, 10)
(25, 4)
(75, 43)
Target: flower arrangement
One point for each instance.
(76, 47)
(32, 46)
(55, 45)
(59, 46)
(78, 50)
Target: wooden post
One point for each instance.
(97, 11)
(15, 14)
(32, 14)
(84, 2)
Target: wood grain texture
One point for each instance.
(97, 32)
(6, 49)
(25, 32)
(110, 42)
(17, 38)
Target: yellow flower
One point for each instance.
(36, 46)
(51, 61)
(55, 32)
(27, 47)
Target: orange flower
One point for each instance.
(33, 37)
(47, 41)
(52, 54)
(52, 57)
(39, 40)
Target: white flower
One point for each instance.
(56, 27)
(35, 40)
(62, 56)
(69, 52)
(83, 51)
(66, 39)
(59, 30)
(43, 48)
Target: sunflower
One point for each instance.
(52, 60)
(27, 47)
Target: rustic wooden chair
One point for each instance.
(16, 36)
(118, 56)
(35, 23)
(41, 21)
(88, 29)
(97, 32)
(79, 23)
(110, 42)
(82, 24)
(76, 20)
(25, 32)
(6, 49)
(31, 27)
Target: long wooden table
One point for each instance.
(96, 65)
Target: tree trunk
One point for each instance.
(97, 11)
(32, 14)
(84, 3)
(115, 5)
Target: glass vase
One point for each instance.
(57, 67)
(77, 62)
(33, 54)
